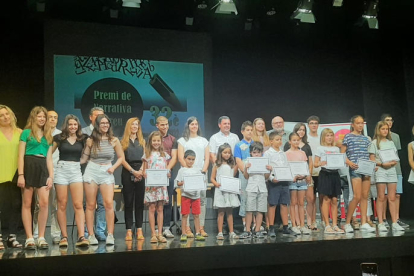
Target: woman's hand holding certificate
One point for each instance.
(156, 177)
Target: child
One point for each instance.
(223, 201)
(256, 194)
(155, 158)
(189, 199)
(278, 190)
(298, 187)
(329, 181)
(355, 145)
(386, 175)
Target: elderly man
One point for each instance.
(278, 124)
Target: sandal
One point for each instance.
(82, 242)
(30, 244)
(139, 235)
(162, 239)
(1, 243)
(154, 239)
(42, 244)
(189, 233)
(63, 242)
(329, 230)
(203, 233)
(220, 236)
(12, 242)
(338, 230)
(128, 236)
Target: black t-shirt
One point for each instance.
(69, 152)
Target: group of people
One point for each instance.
(41, 164)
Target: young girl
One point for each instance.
(386, 175)
(225, 166)
(298, 187)
(155, 197)
(355, 145)
(35, 167)
(329, 182)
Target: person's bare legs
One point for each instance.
(91, 190)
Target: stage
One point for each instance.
(315, 254)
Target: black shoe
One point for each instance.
(272, 232)
(288, 232)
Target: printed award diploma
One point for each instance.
(230, 184)
(258, 164)
(156, 178)
(335, 160)
(283, 174)
(388, 155)
(299, 167)
(195, 182)
(366, 167)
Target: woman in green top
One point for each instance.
(35, 168)
(10, 197)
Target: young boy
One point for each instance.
(278, 190)
(189, 199)
(256, 193)
(241, 152)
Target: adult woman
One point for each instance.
(193, 140)
(300, 129)
(10, 197)
(100, 147)
(259, 133)
(133, 184)
(68, 176)
(35, 170)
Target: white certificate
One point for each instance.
(335, 160)
(156, 178)
(299, 167)
(230, 184)
(366, 167)
(388, 155)
(283, 174)
(258, 164)
(194, 182)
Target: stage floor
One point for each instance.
(211, 227)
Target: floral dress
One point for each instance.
(153, 193)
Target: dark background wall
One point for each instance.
(332, 68)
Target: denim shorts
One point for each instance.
(299, 185)
(354, 174)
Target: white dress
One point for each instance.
(224, 199)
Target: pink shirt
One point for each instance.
(296, 155)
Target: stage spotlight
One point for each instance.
(131, 3)
(370, 14)
(304, 12)
(337, 3)
(271, 12)
(202, 5)
(226, 7)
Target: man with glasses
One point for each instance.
(396, 139)
(278, 124)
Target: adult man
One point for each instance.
(100, 225)
(221, 137)
(52, 119)
(278, 124)
(170, 146)
(396, 139)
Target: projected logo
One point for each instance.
(126, 88)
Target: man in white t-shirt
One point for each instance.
(221, 137)
(396, 139)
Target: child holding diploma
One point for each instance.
(223, 201)
(155, 196)
(386, 175)
(256, 192)
(278, 190)
(298, 187)
(355, 145)
(329, 182)
(189, 199)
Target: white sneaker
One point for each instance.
(397, 227)
(110, 240)
(382, 227)
(367, 228)
(348, 228)
(167, 233)
(386, 224)
(305, 230)
(92, 240)
(296, 230)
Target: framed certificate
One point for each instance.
(366, 167)
(335, 160)
(283, 174)
(258, 164)
(388, 155)
(230, 184)
(194, 182)
(156, 178)
(299, 167)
